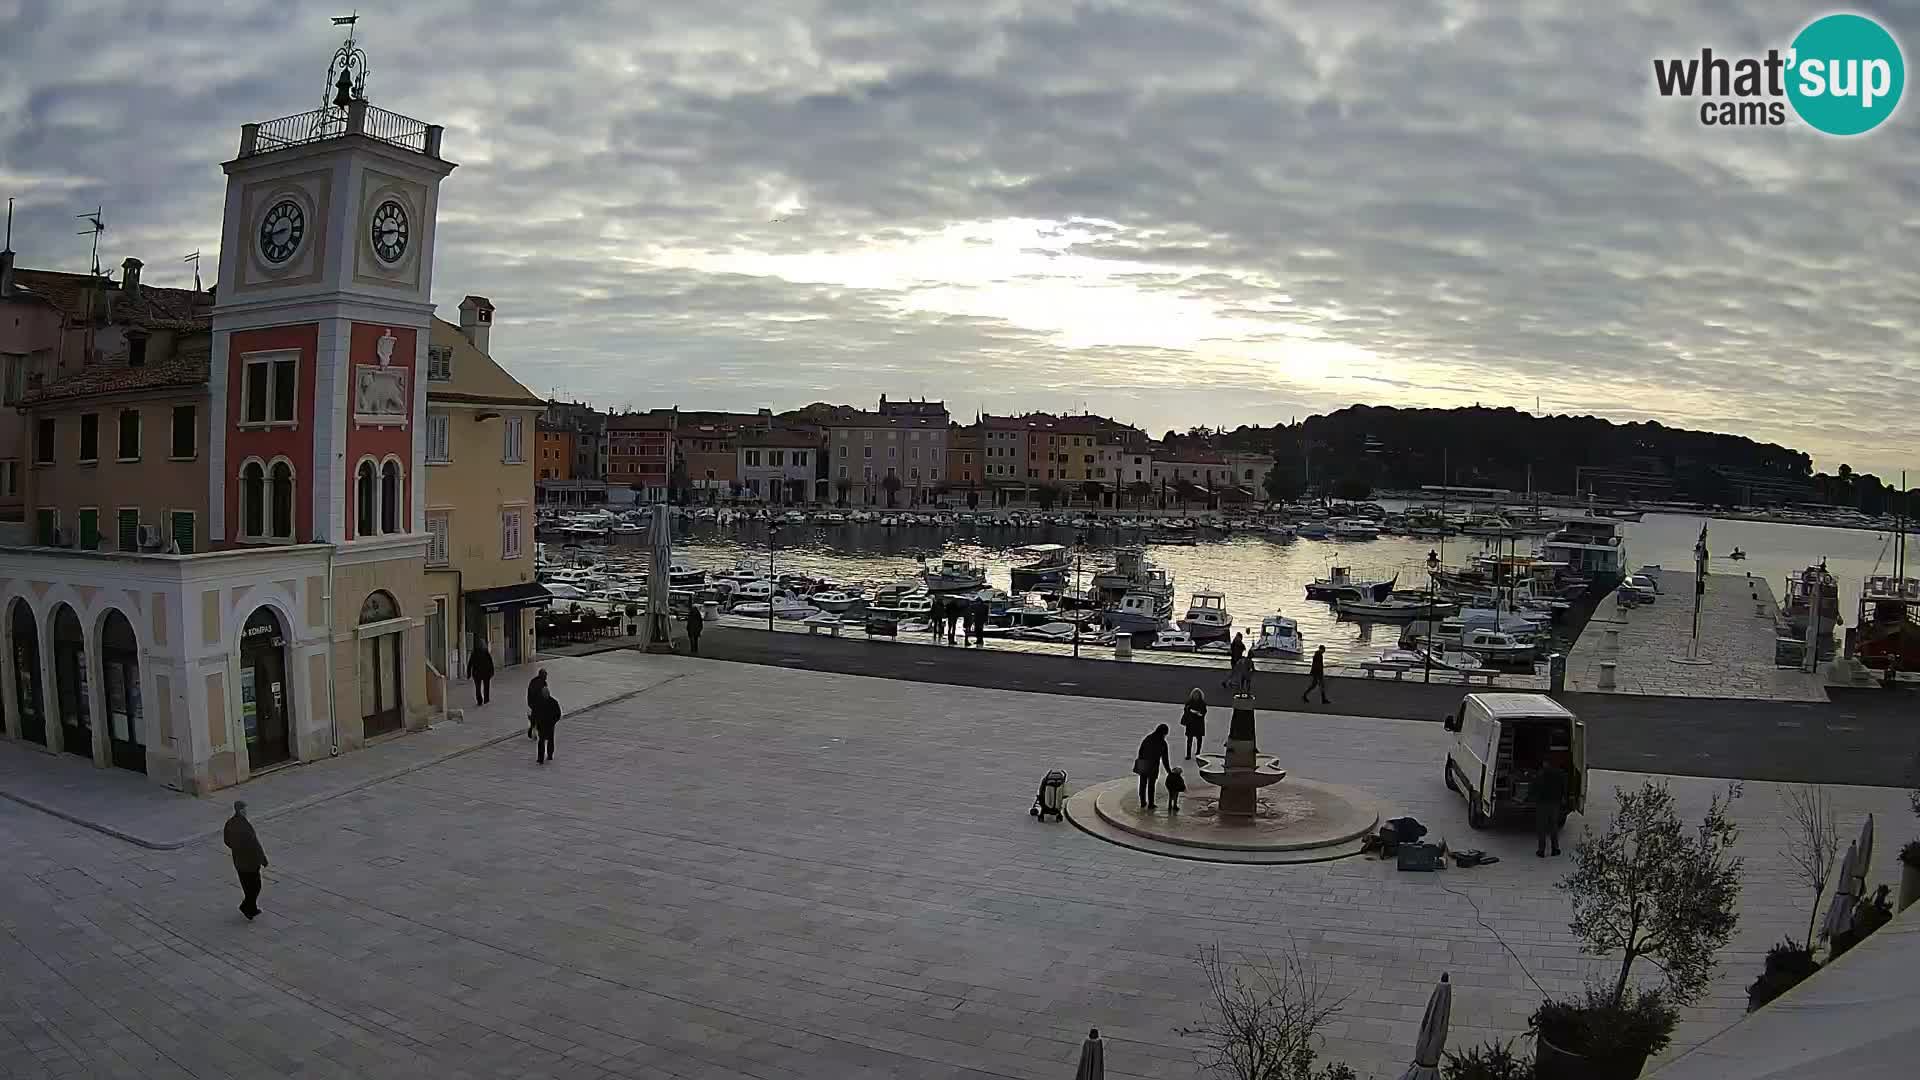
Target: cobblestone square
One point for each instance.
(747, 871)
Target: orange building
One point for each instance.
(554, 450)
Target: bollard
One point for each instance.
(1613, 641)
(1123, 647)
(1556, 673)
(1606, 674)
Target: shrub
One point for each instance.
(1488, 1061)
(1910, 855)
(1606, 1028)
(1788, 965)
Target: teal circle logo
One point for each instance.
(1846, 74)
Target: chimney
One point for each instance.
(6, 272)
(476, 321)
(130, 277)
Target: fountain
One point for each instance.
(1253, 818)
(1243, 770)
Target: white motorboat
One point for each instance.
(832, 517)
(1381, 610)
(1495, 647)
(1313, 530)
(1355, 530)
(890, 521)
(1049, 568)
(794, 517)
(1136, 613)
(681, 575)
(1408, 658)
(1178, 640)
(954, 575)
(783, 607)
(1279, 636)
(835, 600)
(900, 603)
(1207, 617)
(759, 591)
(1456, 661)
(1053, 631)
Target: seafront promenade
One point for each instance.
(746, 870)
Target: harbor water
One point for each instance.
(1258, 573)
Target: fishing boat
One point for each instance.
(1802, 589)
(1340, 584)
(1386, 610)
(782, 607)
(1136, 613)
(1279, 636)
(1207, 617)
(835, 600)
(1048, 567)
(953, 575)
(1401, 658)
(1451, 660)
(1889, 623)
(1494, 647)
(758, 592)
(1053, 631)
(682, 575)
(1355, 530)
(1313, 530)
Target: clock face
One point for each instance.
(281, 230)
(389, 231)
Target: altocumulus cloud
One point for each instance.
(1193, 212)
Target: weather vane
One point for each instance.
(347, 74)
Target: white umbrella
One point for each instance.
(659, 620)
(1858, 882)
(1093, 1058)
(1433, 1034)
(1845, 894)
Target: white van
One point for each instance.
(1500, 741)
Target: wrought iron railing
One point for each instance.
(333, 122)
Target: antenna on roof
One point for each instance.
(195, 260)
(8, 246)
(97, 225)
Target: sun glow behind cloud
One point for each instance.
(1032, 275)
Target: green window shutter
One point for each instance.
(90, 530)
(45, 525)
(129, 530)
(183, 531)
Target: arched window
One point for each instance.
(390, 497)
(282, 499)
(365, 499)
(378, 607)
(253, 500)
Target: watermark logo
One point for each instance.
(1843, 74)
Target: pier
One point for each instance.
(1738, 615)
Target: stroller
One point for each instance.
(1052, 796)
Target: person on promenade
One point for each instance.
(955, 609)
(1237, 650)
(1317, 676)
(480, 670)
(979, 621)
(546, 716)
(695, 624)
(248, 858)
(536, 690)
(1549, 794)
(1147, 764)
(1193, 719)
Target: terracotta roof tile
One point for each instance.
(149, 307)
(188, 367)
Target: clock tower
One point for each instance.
(320, 327)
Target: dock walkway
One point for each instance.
(1737, 619)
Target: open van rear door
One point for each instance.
(1577, 783)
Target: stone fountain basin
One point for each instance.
(1213, 768)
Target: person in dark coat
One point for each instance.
(1317, 676)
(248, 858)
(536, 690)
(1193, 719)
(1549, 794)
(955, 610)
(546, 716)
(978, 614)
(1175, 785)
(480, 670)
(1152, 756)
(1237, 650)
(695, 624)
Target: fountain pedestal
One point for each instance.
(1243, 770)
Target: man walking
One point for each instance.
(536, 690)
(546, 715)
(1549, 794)
(1317, 676)
(480, 670)
(695, 624)
(977, 614)
(248, 858)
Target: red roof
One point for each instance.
(187, 367)
(83, 297)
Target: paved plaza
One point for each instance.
(747, 871)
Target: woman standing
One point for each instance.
(1194, 719)
(480, 670)
(1153, 755)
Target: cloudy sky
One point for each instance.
(1179, 212)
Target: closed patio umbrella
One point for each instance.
(1093, 1058)
(1433, 1034)
(1845, 894)
(659, 620)
(1858, 881)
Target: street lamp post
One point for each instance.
(1078, 546)
(772, 528)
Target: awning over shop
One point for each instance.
(525, 594)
